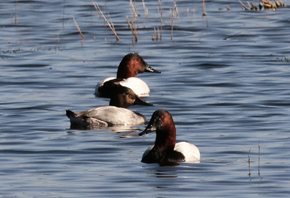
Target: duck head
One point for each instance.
(162, 123)
(124, 97)
(132, 64)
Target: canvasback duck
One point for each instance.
(112, 115)
(128, 69)
(165, 150)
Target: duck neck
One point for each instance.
(125, 72)
(166, 138)
(117, 102)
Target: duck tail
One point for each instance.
(70, 114)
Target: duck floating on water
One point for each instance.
(114, 114)
(165, 150)
(131, 65)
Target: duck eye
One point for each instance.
(158, 122)
(131, 96)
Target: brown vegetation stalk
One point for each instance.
(109, 23)
(203, 8)
(79, 29)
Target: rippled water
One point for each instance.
(225, 78)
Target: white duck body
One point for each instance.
(105, 116)
(140, 88)
(115, 115)
(189, 151)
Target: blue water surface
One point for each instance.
(225, 79)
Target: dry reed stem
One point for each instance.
(133, 9)
(171, 25)
(243, 5)
(259, 159)
(110, 24)
(249, 163)
(161, 20)
(15, 17)
(249, 6)
(146, 12)
(175, 9)
(156, 36)
(174, 14)
(63, 11)
(203, 8)
(263, 4)
(78, 28)
(131, 22)
(134, 31)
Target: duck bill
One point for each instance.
(151, 69)
(149, 129)
(139, 101)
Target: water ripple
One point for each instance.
(224, 78)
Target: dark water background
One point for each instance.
(225, 78)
